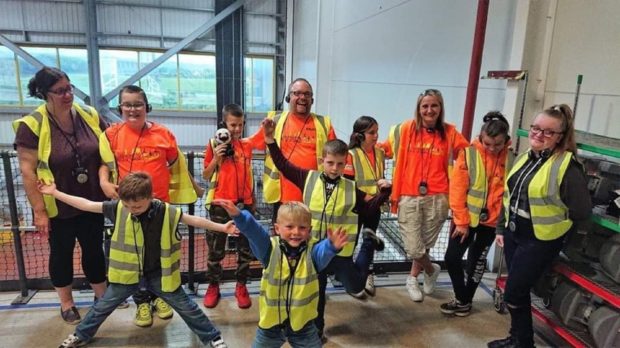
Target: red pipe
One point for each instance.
(474, 68)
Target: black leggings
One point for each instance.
(478, 242)
(87, 228)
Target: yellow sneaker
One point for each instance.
(164, 311)
(144, 318)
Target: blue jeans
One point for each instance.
(115, 294)
(307, 337)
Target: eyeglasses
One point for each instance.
(136, 106)
(302, 94)
(547, 133)
(430, 91)
(63, 91)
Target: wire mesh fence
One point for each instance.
(35, 249)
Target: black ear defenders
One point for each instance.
(430, 130)
(287, 98)
(544, 154)
(39, 94)
(360, 136)
(289, 251)
(151, 212)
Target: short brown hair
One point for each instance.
(335, 147)
(295, 211)
(135, 186)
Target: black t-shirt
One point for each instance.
(151, 222)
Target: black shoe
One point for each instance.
(507, 342)
(71, 316)
(367, 233)
(456, 308)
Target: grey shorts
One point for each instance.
(420, 220)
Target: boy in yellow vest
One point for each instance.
(291, 260)
(145, 253)
(335, 202)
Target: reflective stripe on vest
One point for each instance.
(38, 122)
(127, 249)
(477, 191)
(277, 284)
(548, 213)
(271, 175)
(366, 175)
(337, 212)
(394, 141)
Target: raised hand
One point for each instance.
(269, 129)
(228, 205)
(338, 237)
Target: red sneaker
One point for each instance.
(243, 298)
(212, 297)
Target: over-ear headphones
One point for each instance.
(429, 129)
(289, 251)
(544, 154)
(151, 212)
(360, 136)
(287, 98)
(325, 178)
(39, 94)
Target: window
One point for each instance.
(197, 82)
(116, 66)
(74, 62)
(161, 84)
(47, 56)
(9, 93)
(259, 84)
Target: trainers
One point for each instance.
(502, 343)
(144, 318)
(218, 342)
(164, 311)
(243, 298)
(71, 316)
(413, 288)
(456, 308)
(72, 341)
(367, 233)
(370, 285)
(431, 280)
(212, 297)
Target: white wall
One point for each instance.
(366, 57)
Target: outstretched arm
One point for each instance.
(74, 201)
(200, 222)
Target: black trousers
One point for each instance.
(527, 259)
(87, 228)
(465, 282)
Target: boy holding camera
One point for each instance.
(228, 167)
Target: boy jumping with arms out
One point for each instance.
(291, 260)
(334, 202)
(144, 254)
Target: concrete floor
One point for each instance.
(390, 319)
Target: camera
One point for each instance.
(222, 136)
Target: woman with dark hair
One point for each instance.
(58, 142)
(366, 165)
(476, 190)
(545, 196)
(427, 146)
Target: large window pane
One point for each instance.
(197, 79)
(161, 84)
(9, 94)
(74, 62)
(45, 55)
(259, 84)
(116, 66)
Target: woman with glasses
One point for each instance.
(476, 190)
(427, 146)
(545, 196)
(58, 142)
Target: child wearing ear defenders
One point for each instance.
(291, 261)
(476, 191)
(145, 253)
(365, 165)
(230, 177)
(334, 202)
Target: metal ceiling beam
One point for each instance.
(92, 49)
(32, 60)
(176, 48)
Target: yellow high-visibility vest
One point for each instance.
(337, 212)
(271, 175)
(277, 284)
(127, 249)
(366, 175)
(38, 122)
(548, 213)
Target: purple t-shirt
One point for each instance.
(62, 161)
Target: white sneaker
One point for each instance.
(413, 288)
(430, 281)
(218, 342)
(370, 285)
(72, 341)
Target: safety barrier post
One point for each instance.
(25, 294)
(191, 287)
